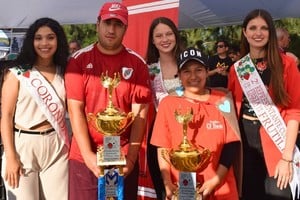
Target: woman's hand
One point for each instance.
(13, 171)
(283, 173)
(208, 187)
(171, 188)
(129, 167)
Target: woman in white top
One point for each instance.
(33, 128)
(163, 50)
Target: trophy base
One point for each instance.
(198, 196)
(111, 163)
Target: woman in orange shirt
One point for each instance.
(208, 128)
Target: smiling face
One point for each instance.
(193, 77)
(45, 43)
(164, 38)
(257, 33)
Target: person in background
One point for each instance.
(33, 128)
(162, 53)
(86, 95)
(219, 65)
(74, 45)
(183, 42)
(209, 128)
(283, 39)
(234, 53)
(199, 44)
(263, 86)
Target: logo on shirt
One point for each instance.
(213, 124)
(89, 66)
(127, 72)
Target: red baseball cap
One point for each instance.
(114, 10)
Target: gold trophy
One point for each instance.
(187, 159)
(111, 122)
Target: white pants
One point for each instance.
(45, 161)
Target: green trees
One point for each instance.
(199, 37)
(85, 33)
(232, 34)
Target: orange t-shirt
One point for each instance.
(208, 128)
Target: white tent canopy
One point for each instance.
(192, 13)
(205, 13)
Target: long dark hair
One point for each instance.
(272, 55)
(28, 55)
(152, 52)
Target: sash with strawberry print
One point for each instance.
(157, 84)
(267, 113)
(46, 98)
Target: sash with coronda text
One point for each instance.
(46, 98)
(267, 113)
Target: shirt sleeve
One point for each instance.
(142, 89)
(291, 77)
(161, 135)
(74, 80)
(228, 154)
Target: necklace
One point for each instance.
(260, 64)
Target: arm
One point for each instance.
(138, 129)
(9, 95)
(284, 169)
(213, 72)
(225, 163)
(218, 70)
(80, 133)
(209, 185)
(165, 169)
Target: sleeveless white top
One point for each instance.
(28, 114)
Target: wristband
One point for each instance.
(286, 160)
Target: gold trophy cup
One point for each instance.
(187, 157)
(111, 122)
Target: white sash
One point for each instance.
(267, 113)
(46, 98)
(157, 83)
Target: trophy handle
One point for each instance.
(127, 121)
(205, 160)
(91, 119)
(165, 155)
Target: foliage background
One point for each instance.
(198, 37)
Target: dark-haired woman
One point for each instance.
(263, 84)
(33, 128)
(162, 52)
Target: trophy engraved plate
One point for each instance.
(111, 122)
(111, 150)
(187, 185)
(187, 159)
